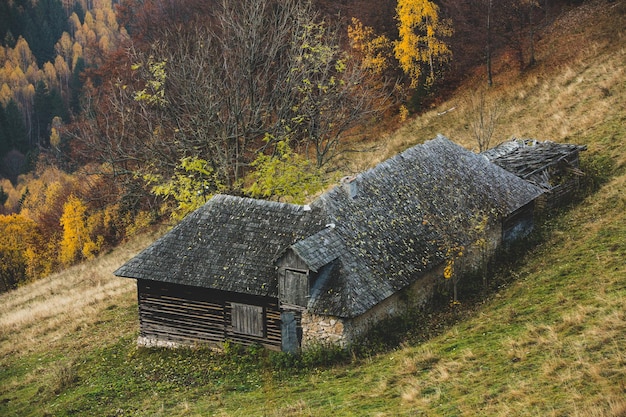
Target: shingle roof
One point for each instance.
(405, 212)
(529, 158)
(227, 244)
(381, 239)
(319, 249)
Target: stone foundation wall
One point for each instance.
(144, 341)
(326, 330)
(150, 341)
(478, 254)
(418, 295)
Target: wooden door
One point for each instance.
(291, 331)
(294, 287)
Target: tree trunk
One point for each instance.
(489, 71)
(531, 60)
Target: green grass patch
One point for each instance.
(547, 338)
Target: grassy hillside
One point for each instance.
(550, 342)
(576, 86)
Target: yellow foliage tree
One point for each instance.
(23, 56)
(55, 136)
(453, 254)
(50, 74)
(76, 240)
(285, 176)
(43, 195)
(192, 185)
(94, 224)
(63, 47)
(420, 30)
(75, 24)
(373, 50)
(5, 94)
(18, 249)
(98, 34)
(476, 239)
(63, 72)
(77, 52)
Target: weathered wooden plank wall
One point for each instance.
(188, 315)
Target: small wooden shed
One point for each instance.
(287, 276)
(554, 167)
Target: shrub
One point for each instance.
(64, 376)
(598, 169)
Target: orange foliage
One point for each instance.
(373, 50)
(44, 194)
(11, 205)
(52, 202)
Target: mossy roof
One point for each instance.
(391, 228)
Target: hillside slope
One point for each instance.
(576, 86)
(550, 343)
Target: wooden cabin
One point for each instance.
(288, 276)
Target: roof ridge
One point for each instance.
(256, 201)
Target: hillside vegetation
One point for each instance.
(549, 342)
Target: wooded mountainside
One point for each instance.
(110, 120)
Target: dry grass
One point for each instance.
(550, 344)
(297, 409)
(46, 311)
(551, 101)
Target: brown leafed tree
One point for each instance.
(216, 88)
(483, 114)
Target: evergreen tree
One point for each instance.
(48, 105)
(15, 18)
(42, 110)
(15, 130)
(76, 85)
(3, 197)
(4, 139)
(49, 22)
(41, 23)
(5, 22)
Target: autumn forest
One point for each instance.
(115, 115)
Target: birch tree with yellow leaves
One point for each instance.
(76, 241)
(420, 44)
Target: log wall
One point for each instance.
(171, 314)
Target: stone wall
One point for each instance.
(327, 330)
(418, 295)
(151, 341)
(478, 254)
